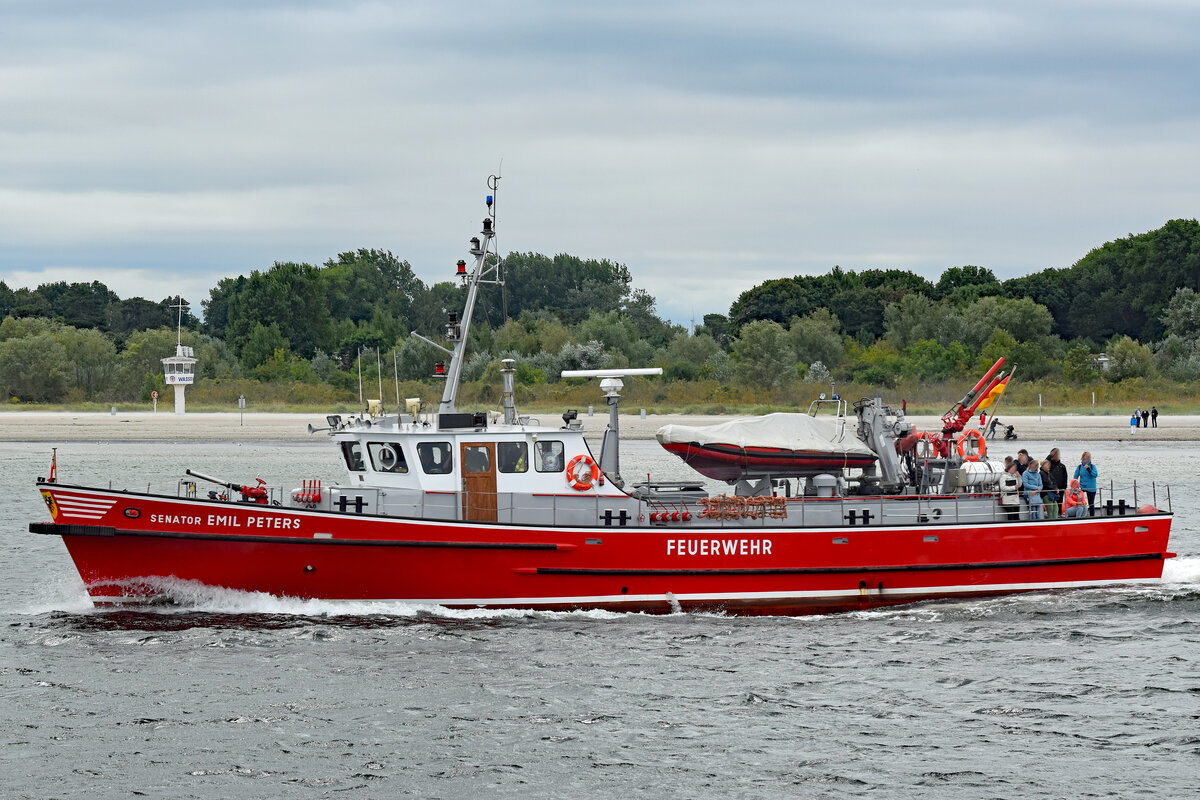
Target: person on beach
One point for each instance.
(903, 406)
(1010, 491)
(1153, 416)
(991, 431)
(1031, 484)
(1086, 473)
(1049, 497)
(1137, 417)
(1145, 419)
(1133, 423)
(1075, 502)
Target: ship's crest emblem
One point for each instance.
(50, 504)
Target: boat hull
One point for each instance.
(729, 462)
(134, 548)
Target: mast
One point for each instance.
(483, 272)
(179, 325)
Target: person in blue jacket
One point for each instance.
(1087, 472)
(1031, 482)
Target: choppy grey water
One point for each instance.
(1092, 693)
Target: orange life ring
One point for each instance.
(978, 451)
(578, 483)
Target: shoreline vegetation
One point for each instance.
(658, 396)
(66, 427)
(1117, 330)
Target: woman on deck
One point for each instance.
(1087, 472)
(1075, 502)
(1031, 481)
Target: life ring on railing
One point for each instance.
(924, 447)
(582, 484)
(975, 453)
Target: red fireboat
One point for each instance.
(462, 509)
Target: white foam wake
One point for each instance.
(1182, 570)
(186, 597)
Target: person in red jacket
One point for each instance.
(1075, 502)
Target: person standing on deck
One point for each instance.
(1058, 473)
(1031, 483)
(1010, 491)
(1049, 497)
(1087, 472)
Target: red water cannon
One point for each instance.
(254, 494)
(954, 420)
(250, 494)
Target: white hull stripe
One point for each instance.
(81, 511)
(717, 597)
(82, 506)
(84, 500)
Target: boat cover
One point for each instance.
(799, 432)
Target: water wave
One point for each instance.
(1182, 570)
(187, 597)
(173, 597)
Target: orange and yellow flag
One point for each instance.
(991, 397)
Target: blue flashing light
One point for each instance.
(489, 200)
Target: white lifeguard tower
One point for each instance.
(179, 370)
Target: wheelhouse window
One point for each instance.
(353, 453)
(512, 456)
(477, 459)
(435, 458)
(548, 456)
(387, 457)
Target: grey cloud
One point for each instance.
(727, 143)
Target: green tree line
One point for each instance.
(301, 324)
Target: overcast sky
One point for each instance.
(159, 146)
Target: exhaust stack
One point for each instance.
(508, 388)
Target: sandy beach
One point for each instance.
(144, 426)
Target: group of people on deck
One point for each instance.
(1045, 488)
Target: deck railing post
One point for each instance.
(1135, 502)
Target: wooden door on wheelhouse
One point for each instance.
(478, 461)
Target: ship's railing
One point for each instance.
(582, 510)
(1154, 494)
